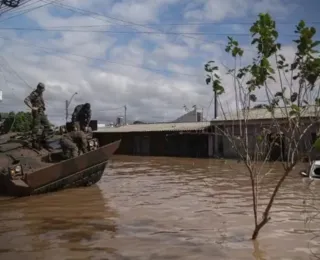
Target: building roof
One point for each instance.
(155, 127)
(263, 113)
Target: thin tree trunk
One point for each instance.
(266, 217)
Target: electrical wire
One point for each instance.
(87, 26)
(147, 25)
(6, 82)
(75, 9)
(17, 9)
(173, 33)
(94, 15)
(82, 11)
(220, 23)
(8, 8)
(26, 83)
(59, 114)
(100, 16)
(17, 75)
(131, 32)
(24, 2)
(102, 59)
(29, 10)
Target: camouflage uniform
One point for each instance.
(82, 115)
(35, 99)
(72, 142)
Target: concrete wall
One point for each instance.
(174, 144)
(169, 143)
(255, 130)
(229, 150)
(188, 117)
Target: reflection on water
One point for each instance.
(50, 226)
(162, 208)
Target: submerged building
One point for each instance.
(196, 138)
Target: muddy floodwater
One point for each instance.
(163, 208)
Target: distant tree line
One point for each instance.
(138, 122)
(16, 122)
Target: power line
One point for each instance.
(75, 9)
(8, 8)
(29, 10)
(131, 32)
(117, 108)
(101, 59)
(124, 25)
(83, 12)
(17, 75)
(220, 23)
(91, 13)
(5, 8)
(147, 25)
(213, 96)
(19, 9)
(6, 81)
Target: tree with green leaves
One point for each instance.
(18, 122)
(292, 105)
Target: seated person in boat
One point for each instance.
(73, 142)
(82, 115)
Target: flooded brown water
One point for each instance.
(162, 208)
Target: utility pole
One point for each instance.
(125, 114)
(215, 137)
(67, 106)
(215, 105)
(202, 114)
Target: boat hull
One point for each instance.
(86, 177)
(84, 170)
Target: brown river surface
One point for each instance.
(163, 208)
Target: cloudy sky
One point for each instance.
(146, 54)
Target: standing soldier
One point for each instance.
(82, 115)
(36, 103)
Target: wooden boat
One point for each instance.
(25, 171)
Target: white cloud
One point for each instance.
(217, 10)
(174, 51)
(124, 69)
(140, 11)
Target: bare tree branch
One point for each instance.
(282, 124)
